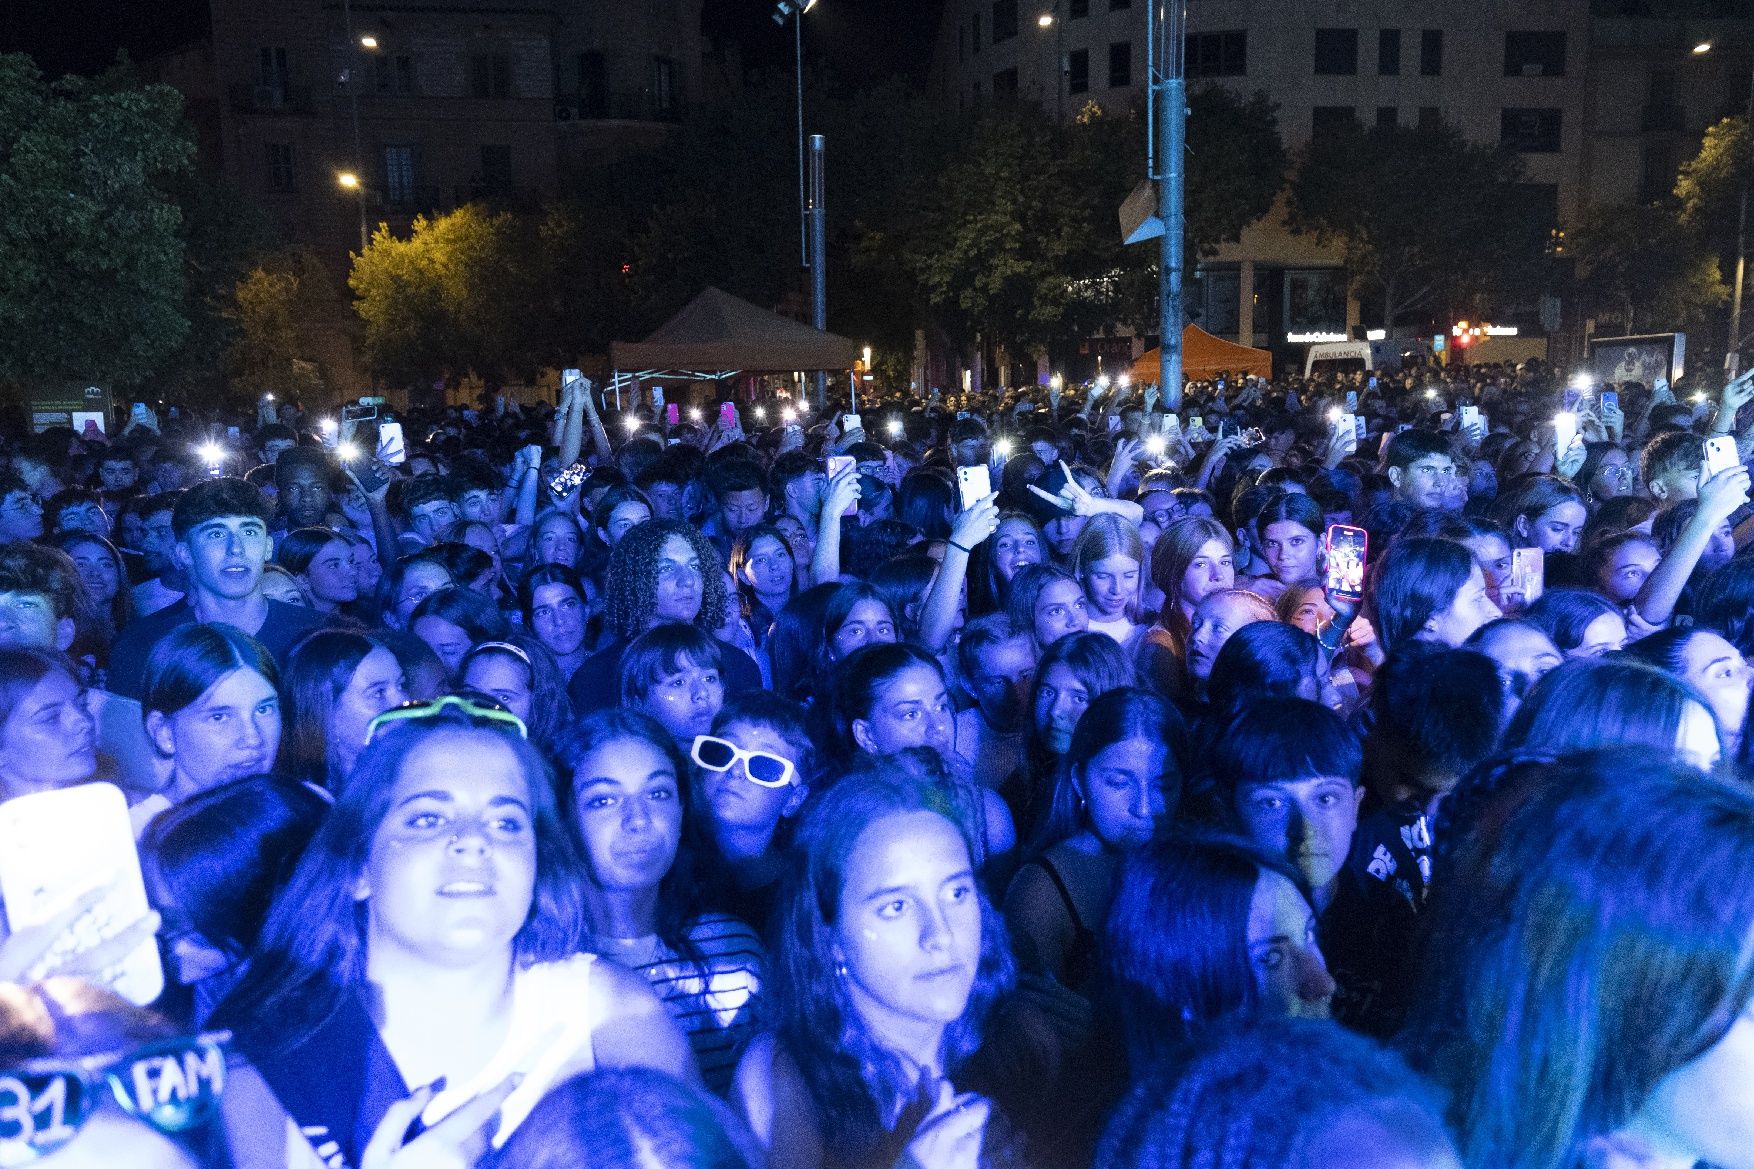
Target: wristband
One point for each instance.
(960, 548)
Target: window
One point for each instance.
(1332, 120)
(1218, 54)
(593, 85)
(1004, 20)
(1430, 117)
(1431, 52)
(395, 73)
(281, 175)
(399, 175)
(663, 87)
(1336, 51)
(1388, 52)
(1077, 9)
(1530, 131)
(1386, 116)
(975, 28)
(490, 75)
(1078, 71)
(496, 169)
(1120, 64)
(1534, 54)
(1005, 82)
(272, 77)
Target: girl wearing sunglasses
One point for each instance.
(425, 954)
(629, 802)
(753, 775)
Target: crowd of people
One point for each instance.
(1347, 772)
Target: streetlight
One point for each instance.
(1733, 358)
(797, 9)
(368, 42)
(1045, 21)
(349, 181)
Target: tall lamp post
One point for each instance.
(1167, 48)
(1050, 19)
(796, 10)
(1733, 358)
(349, 181)
(354, 45)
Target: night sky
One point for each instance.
(862, 41)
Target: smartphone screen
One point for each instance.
(1611, 398)
(1528, 577)
(672, 414)
(1564, 431)
(1352, 398)
(837, 464)
(1347, 548)
(727, 416)
(974, 484)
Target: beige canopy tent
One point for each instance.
(1205, 356)
(718, 334)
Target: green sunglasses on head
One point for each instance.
(472, 708)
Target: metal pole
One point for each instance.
(818, 259)
(1059, 68)
(1733, 359)
(352, 59)
(1172, 113)
(803, 204)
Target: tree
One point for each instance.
(1642, 267)
(92, 280)
(1710, 184)
(273, 308)
(1426, 218)
(1235, 167)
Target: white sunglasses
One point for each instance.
(763, 768)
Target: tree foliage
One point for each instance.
(274, 308)
(1425, 217)
(1710, 183)
(92, 280)
(1642, 267)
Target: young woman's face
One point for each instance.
(419, 581)
(1015, 546)
(1004, 671)
(1615, 476)
(1469, 609)
(1063, 531)
(629, 804)
(1702, 1111)
(1124, 791)
(376, 686)
(686, 701)
(1290, 973)
(1059, 610)
(1557, 529)
(1214, 621)
(733, 800)
(1720, 673)
(557, 542)
(908, 924)
(230, 732)
(50, 739)
(330, 574)
(97, 570)
(1289, 549)
(1308, 821)
(505, 678)
(802, 541)
(624, 516)
(1605, 633)
(367, 572)
(557, 615)
(769, 567)
(1721, 549)
(680, 583)
(278, 586)
(868, 623)
(1313, 612)
(1212, 568)
(448, 640)
(452, 868)
(1110, 585)
(911, 710)
(1627, 569)
(1060, 700)
(1492, 554)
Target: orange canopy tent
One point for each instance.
(1205, 356)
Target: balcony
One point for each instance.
(615, 106)
(272, 99)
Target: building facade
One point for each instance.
(1600, 99)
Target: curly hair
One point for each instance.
(632, 579)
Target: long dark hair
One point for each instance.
(319, 669)
(1416, 579)
(1591, 946)
(857, 1085)
(312, 953)
(1114, 717)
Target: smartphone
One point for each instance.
(850, 423)
(571, 376)
(728, 416)
(358, 413)
(1564, 431)
(1347, 549)
(837, 464)
(1720, 455)
(1114, 422)
(1347, 427)
(1371, 383)
(1360, 428)
(138, 414)
(1195, 422)
(1171, 424)
(657, 396)
(1253, 437)
(974, 484)
(1571, 398)
(1611, 398)
(232, 433)
(672, 414)
(1528, 575)
(1352, 398)
(1470, 415)
(567, 482)
(390, 442)
(55, 847)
